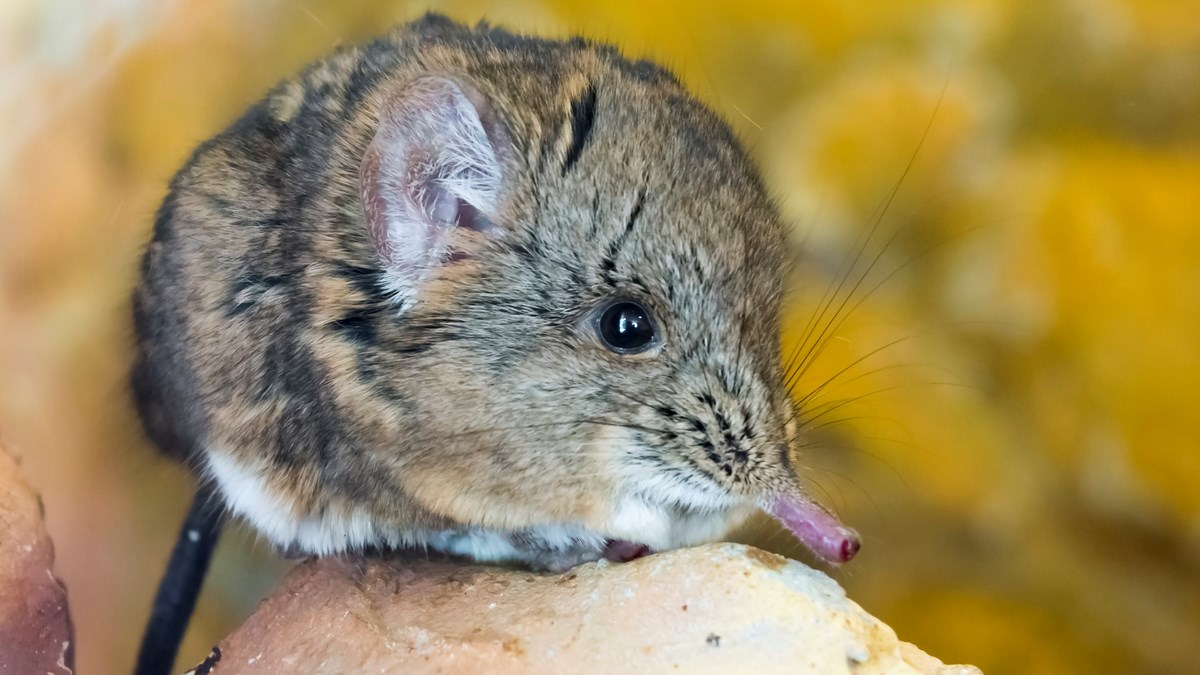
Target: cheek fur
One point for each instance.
(664, 528)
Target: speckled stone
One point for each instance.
(721, 608)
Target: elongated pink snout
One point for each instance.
(816, 528)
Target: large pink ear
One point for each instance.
(434, 166)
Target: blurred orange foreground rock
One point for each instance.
(35, 628)
(721, 608)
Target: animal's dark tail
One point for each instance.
(180, 585)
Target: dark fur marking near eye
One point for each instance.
(608, 265)
(667, 411)
(608, 268)
(637, 281)
(636, 211)
(583, 118)
(595, 226)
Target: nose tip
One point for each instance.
(849, 548)
(816, 528)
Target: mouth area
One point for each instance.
(816, 528)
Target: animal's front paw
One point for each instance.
(561, 560)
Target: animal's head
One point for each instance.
(589, 272)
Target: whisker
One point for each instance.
(804, 474)
(819, 388)
(817, 345)
(855, 483)
(861, 450)
(806, 424)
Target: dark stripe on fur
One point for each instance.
(583, 117)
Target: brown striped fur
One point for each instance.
(264, 332)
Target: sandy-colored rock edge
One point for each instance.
(35, 626)
(721, 608)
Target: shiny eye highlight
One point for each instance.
(625, 327)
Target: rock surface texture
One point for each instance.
(35, 628)
(721, 608)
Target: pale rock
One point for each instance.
(721, 608)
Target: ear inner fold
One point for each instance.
(431, 169)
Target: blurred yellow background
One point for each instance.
(1020, 454)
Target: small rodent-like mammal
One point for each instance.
(510, 298)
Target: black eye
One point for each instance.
(625, 327)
